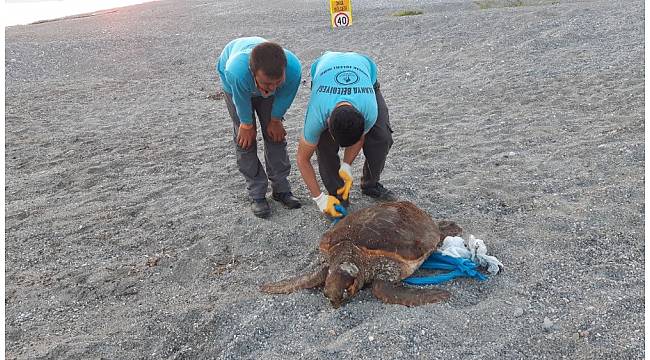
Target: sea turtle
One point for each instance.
(378, 245)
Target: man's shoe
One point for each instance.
(261, 208)
(379, 192)
(287, 199)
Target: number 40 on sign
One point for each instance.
(341, 11)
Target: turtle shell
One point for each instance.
(398, 230)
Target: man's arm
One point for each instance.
(242, 98)
(350, 153)
(287, 92)
(326, 203)
(345, 171)
(303, 159)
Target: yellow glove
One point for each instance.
(345, 172)
(326, 204)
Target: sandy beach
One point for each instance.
(128, 231)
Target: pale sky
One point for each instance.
(20, 12)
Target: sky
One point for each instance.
(21, 12)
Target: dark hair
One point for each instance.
(346, 125)
(268, 57)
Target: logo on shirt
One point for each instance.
(347, 77)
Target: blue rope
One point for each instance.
(460, 267)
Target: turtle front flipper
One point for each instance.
(396, 293)
(306, 281)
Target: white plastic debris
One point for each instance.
(473, 249)
(455, 246)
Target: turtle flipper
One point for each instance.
(306, 281)
(396, 293)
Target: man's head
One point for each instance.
(346, 125)
(268, 63)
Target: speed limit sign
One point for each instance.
(341, 19)
(341, 13)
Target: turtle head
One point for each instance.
(343, 282)
(448, 228)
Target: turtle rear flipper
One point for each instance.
(306, 281)
(396, 293)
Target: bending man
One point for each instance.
(346, 109)
(257, 75)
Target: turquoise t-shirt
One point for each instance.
(338, 77)
(237, 79)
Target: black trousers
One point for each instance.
(378, 142)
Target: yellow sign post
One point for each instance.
(341, 13)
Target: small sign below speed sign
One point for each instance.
(341, 13)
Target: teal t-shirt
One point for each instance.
(338, 77)
(238, 81)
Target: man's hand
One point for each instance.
(345, 172)
(246, 135)
(326, 204)
(275, 130)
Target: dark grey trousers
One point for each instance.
(275, 154)
(377, 143)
